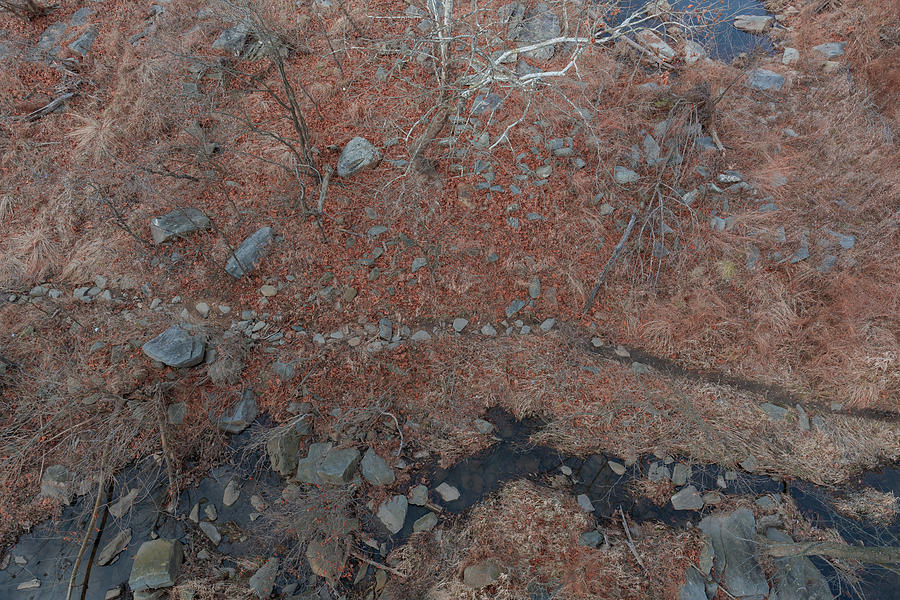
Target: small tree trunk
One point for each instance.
(877, 555)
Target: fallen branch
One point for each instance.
(612, 258)
(630, 542)
(877, 555)
(48, 108)
(363, 558)
(90, 528)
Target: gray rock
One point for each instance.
(680, 474)
(175, 347)
(83, 44)
(773, 411)
(616, 467)
(425, 523)
(307, 467)
(250, 252)
(447, 492)
(239, 417)
(764, 80)
(790, 56)
(534, 288)
(283, 445)
(50, 37)
(358, 154)
(485, 427)
(481, 574)
(113, 547)
(225, 371)
(418, 495)
(694, 587)
(385, 329)
(585, 503)
(538, 25)
(375, 469)
(623, 175)
(263, 581)
(212, 532)
(658, 472)
(80, 17)
(231, 493)
(687, 498)
(31, 584)
(57, 482)
(547, 324)
(797, 578)
(418, 263)
(156, 565)
(420, 336)
(393, 513)
(735, 559)
(459, 324)
(755, 24)
(640, 368)
(831, 49)
(486, 103)
(284, 371)
(338, 466)
(177, 223)
(749, 464)
(802, 418)
(651, 149)
(488, 330)
(846, 241)
(232, 40)
(514, 307)
(120, 507)
(175, 413)
(590, 539)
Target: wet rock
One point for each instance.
(447, 492)
(241, 415)
(797, 578)
(425, 523)
(764, 80)
(624, 175)
(658, 472)
(733, 542)
(831, 49)
(375, 469)
(31, 584)
(585, 503)
(263, 581)
(481, 574)
(755, 24)
(212, 532)
(418, 495)
(232, 493)
(393, 513)
(282, 446)
(176, 348)
(358, 154)
(307, 467)
(177, 223)
(694, 587)
(248, 254)
(338, 466)
(156, 565)
(687, 498)
(120, 507)
(113, 547)
(57, 482)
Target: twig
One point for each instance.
(90, 528)
(363, 558)
(630, 542)
(609, 263)
(48, 108)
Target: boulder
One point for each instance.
(113, 547)
(338, 466)
(176, 348)
(393, 513)
(307, 467)
(797, 578)
(263, 580)
(358, 154)
(211, 531)
(447, 492)
(655, 44)
(764, 80)
(733, 543)
(831, 49)
(418, 495)
(694, 587)
(481, 574)
(177, 223)
(239, 416)
(83, 44)
(232, 40)
(249, 252)
(282, 446)
(755, 24)
(537, 25)
(426, 523)
(156, 565)
(375, 469)
(326, 557)
(687, 498)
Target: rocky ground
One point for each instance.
(298, 301)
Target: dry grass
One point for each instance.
(870, 504)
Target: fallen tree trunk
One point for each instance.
(878, 555)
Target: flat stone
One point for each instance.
(764, 80)
(113, 593)
(481, 574)
(113, 547)
(538, 25)
(176, 348)
(735, 553)
(177, 223)
(326, 557)
(624, 175)
(687, 498)
(156, 565)
(447, 492)
(418, 495)
(693, 51)
(796, 578)
(232, 40)
(640, 368)
(831, 49)
(791, 56)
(681, 472)
(420, 336)
(212, 532)
(655, 44)
(425, 523)
(241, 415)
(120, 507)
(616, 467)
(773, 411)
(375, 469)
(307, 468)
(585, 503)
(484, 427)
(358, 154)
(459, 324)
(488, 330)
(547, 324)
(755, 24)
(338, 466)
(31, 584)
(282, 447)
(514, 307)
(248, 254)
(393, 513)
(263, 581)
(232, 493)
(284, 371)
(268, 290)
(418, 263)
(658, 472)
(694, 587)
(57, 482)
